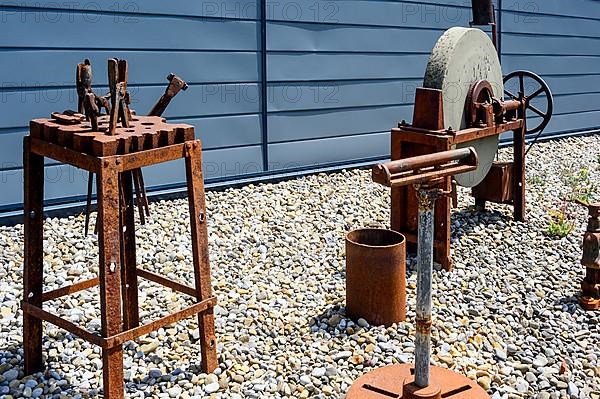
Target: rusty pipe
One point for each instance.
(415, 169)
(424, 161)
(426, 198)
(483, 12)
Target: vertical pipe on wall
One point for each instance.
(499, 28)
(263, 84)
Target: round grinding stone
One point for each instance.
(461, 57)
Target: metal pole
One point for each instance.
(424, 276)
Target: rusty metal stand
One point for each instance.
(421, 381)
(148, 141)
(590, 286)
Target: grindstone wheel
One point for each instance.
(463, 56)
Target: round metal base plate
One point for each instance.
(390, 381)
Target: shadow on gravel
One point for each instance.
(333, 320)
(475, 218)
(46, 383)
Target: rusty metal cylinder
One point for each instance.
(376, 276)
(483, 12)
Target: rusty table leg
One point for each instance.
(34, 256)
(519, 175)
(131, 317)
(110, 276)
(195, 186)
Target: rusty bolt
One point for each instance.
(31, 214)
(118, 161)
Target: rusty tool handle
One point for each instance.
(83, 82)
(425, 167)
(113, 80)
(176, 84)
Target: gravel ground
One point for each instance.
(507, 316)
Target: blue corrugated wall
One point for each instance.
(275, 85)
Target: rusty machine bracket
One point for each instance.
(421, 381)
(590, 286)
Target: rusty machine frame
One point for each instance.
(486, 116)
(113, 146)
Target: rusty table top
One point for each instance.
(144, 133)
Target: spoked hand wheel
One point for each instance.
(528, 82)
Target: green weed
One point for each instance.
(560, 226)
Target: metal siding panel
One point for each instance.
(288, 126)
(552, 65)
(11, 150)
(548, 38)
(217, 164)
(575, 8)
(238, 9)
(517, 22)
(226, 131)
(145, 32)
(321, 37)
(573, 103)
(572, 122)
(319, 153)
(60, 181)
(316, 95)
(573, 84)
(513, 43)
(23, 69)
(382, 13)
(310, 67)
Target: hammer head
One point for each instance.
(177, 82)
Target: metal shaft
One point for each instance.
(424, 276)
